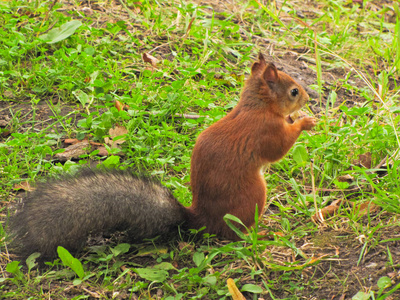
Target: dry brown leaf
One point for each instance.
(313, 260)
(175, 264)
(92, 294)
(278, 233)
(24, 186)
(190, 26)
(115, 132)
(235, 293)
(366, 160)
(75, 141)
(73, 151)
(118, 105)
(102, 151)
(87, 10)
(327, 211)
(150, 59)
(184, 245)
(118, 131)
(71, 141)
(366, 207)
(4, 133)
(346, 178)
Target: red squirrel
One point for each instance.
(230, 157)
(228, 162)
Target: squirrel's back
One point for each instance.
(64, 211)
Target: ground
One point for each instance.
(352, 250)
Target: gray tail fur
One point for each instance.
(65, 211)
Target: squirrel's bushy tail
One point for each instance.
(64, 211)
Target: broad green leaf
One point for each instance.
(384, 282)
(111, 161)
(211, 280)
(252, 288)
(71, 261)
(31, 260)
(121, 248)
(60, 33)
(300, 155)
(164, 266)
(13, 267)
(152, 274)
(198, 258)
(82, 97)
(361, 296)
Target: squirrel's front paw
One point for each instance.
(307, 123)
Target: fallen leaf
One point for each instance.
(5, 133)
(327, 211)
(102, 151)
(24, 186)
(366, 207)
(115, 132)
(71, 141)
(184, 245)
(150, 59)
(118, 105)
(365, 160)
(92, 294)
(87, 10)
(73, 151)
(346, 178)
(235, 293)
(278, 233)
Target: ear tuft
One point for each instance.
(258, 65)
(271, 73)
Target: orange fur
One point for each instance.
(230, 157)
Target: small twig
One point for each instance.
(381, 163)
(309, 188)
(185, 116)
(46, 17)
(159, 46)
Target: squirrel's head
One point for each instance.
(275, 88)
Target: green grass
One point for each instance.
(205, 52)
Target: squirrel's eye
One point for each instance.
(294, 92)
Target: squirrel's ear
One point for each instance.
(271, 73)
(259, 65)
(261, 57)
